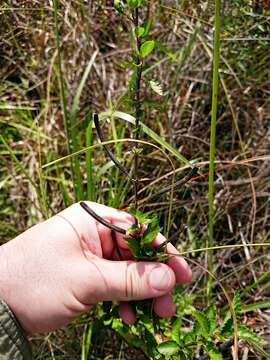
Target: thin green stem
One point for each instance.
(222, 247)
(75, 138)
(89, 160)
(137, 98)
(62, 86)
(215, 83)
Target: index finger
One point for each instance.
(180, 267)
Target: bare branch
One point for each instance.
(178, 183)
(106, 147)
(101, 220)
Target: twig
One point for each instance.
(101, 220)
(106, 147)
(116, 245)
(113, 228)
(178, 183)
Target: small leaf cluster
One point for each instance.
(142, 45)
(121, 6)
(202, 335)
(173, 339)
(140, 237)
(134, 4)
(206, 333)
(244, 332)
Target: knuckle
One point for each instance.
(133, 282)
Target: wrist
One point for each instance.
(10, 273)
(14, 341)
(3, 271)
(12, 283)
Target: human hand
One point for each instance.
(61, 267)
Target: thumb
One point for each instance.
(130, 280)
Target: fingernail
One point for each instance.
(160, 279)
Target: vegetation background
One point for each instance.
(33, 134)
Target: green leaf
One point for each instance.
(154, 136)
(119, 6)
(147, 27)
(140, 31)
(227, 327)
(137, 151)
(107, 320)
(237, 305)
(211, 312)
(134, 246)
(143, 218)
(189, 336)
(168, 348)
(255, 306)
(203, 322)
(133, 4)
(132, 229)
(146, 48)
(264, 355)
(151, 343)
(156, 87)
(181, 356)
(247, 334)
(143, 30)
(133, 82)
(117, 324)
(163, 143)
(213, 352)
(176, 327)
(151, 232)
(166, 51)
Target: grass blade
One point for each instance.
(77, 181)
(89, 161)
(215, 82)
(149, 132)
(17, 162)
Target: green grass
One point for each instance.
(77, 182)
(89, 159)
(215, 86)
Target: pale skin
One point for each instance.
(60, 268)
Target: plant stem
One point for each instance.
(215, 83)
(101, 220)
(107, 150)
(177, 184)
(89, 160)
(137, 98)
